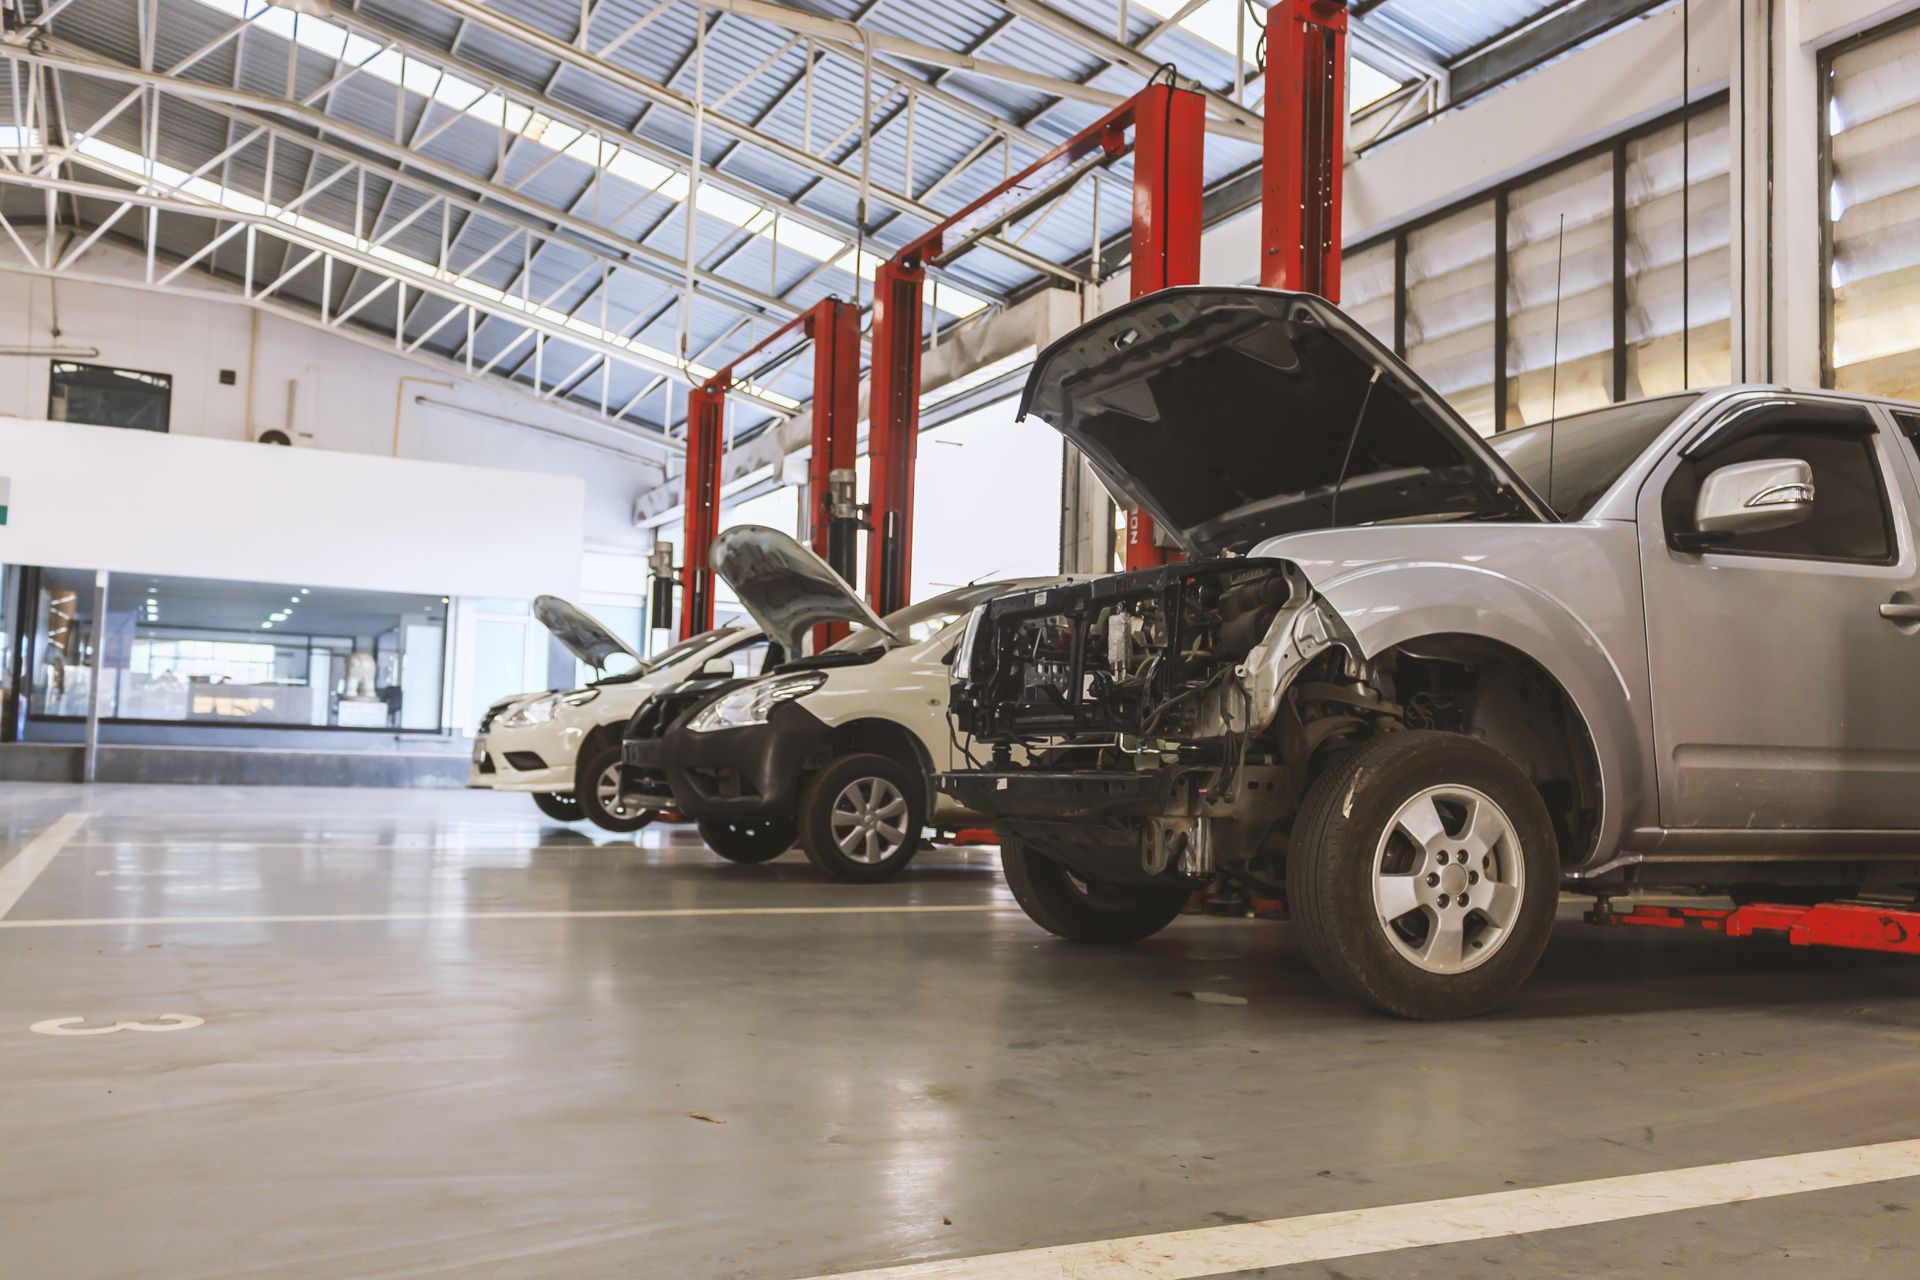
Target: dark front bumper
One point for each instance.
(1062, 796)
(643, 772)
(735, 773)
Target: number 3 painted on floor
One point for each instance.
(165, 1022)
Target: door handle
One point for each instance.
(1902, 613)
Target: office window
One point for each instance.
(1450, 310)
(205, 651)
(1673, 241)
(101, 396)
(1873, 214)
(1569, 290)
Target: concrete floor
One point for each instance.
(384, 1095)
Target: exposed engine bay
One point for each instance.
(1145, 702)
(1164, 724)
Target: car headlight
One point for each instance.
(751, 703)
(538, 711)
(963, 656)
(581, 698)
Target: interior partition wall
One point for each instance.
(1602, 277)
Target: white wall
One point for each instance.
(145, 502)
(345, 396)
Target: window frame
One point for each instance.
(1833, 418)
(165, 429)
(1616, 146)
(1829, 374)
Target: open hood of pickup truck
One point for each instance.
(1232, 415)
(583, 635)
(785, 587)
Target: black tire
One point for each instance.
(883, 851)
(590, 787)
(1082, 911)
(748, 840)
(1342, 844)
(558, 806)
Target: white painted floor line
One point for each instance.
(19, 872)
(1281, 1242)
(660, 913)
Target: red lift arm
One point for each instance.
(833, 326)
(1857, 926)
(1168, 127)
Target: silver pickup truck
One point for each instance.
(1417, 682)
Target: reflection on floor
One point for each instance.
(649, 1065)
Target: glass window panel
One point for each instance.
(1366, 289)
(1873, 212)
(106, 397)
(1678, 338)
(206, 651)
(1450, 303)
(1560, 299)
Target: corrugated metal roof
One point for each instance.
(510, 196)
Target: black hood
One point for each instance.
(1229, 416)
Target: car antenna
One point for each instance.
(1353, 438)
(1553, 394)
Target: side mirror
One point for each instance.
(1752, 497)
(718, 669)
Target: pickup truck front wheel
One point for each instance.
(1423, 875)
(1081, 910)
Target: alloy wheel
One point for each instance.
(1448, 879)
(868, 820)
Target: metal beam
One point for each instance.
(320, 249)
(804, 23)
(1527, 47)
(1233, 121)
(549, 46)
(553, 224)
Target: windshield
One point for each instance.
(687, 648)
(1572, 465)
(921, 622)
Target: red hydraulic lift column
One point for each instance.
(893, 438)
(832, 515)
(706, 411)
(1306, 115)
(1169, 141)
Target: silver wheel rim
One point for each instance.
(1448, 878)
(607, 788)
(869, 820)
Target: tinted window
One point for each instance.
(1849, 521)
(1571, 465)
(104, 397)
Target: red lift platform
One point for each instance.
(830, 521)
(1856, 926)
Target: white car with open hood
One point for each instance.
(563, 746)
(837, 750)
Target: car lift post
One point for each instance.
(706, 413)
(1305, 147)
(1169, 132)
(832, 325)
(1170, 129)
